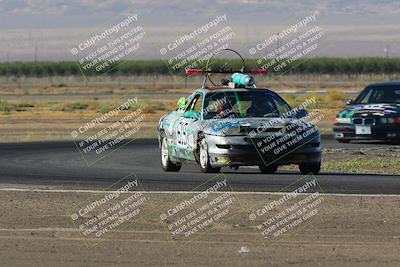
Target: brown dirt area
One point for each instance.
(36, 230)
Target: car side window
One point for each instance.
(378, 96)
(195, 105)
(397, 95)
(365, 97)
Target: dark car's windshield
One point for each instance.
(379, 94)
(241, 104)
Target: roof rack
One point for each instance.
(207, 71)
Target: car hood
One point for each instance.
(243, 126)
(383, 110)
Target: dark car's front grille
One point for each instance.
(369, 121)
(364, 121)
(358, 121)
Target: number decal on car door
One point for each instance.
(181, 132)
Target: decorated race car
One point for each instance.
(236, 124)
(373, 115)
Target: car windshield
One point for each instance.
(243, 104)
(379, 94)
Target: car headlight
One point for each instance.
(395, 120)
(342, 120)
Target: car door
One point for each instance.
(183, 127)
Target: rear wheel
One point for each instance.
(307, 168)
(268, 168)
(166, 163)
(204, 159)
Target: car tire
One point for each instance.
(395, 142)
(204, 159)
(307, 168)
(268, 169)
(166, 163)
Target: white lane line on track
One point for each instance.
(186, 192)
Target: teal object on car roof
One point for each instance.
(242, 79)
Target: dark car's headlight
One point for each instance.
(343, 120)
(390, 120)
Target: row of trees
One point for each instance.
(305, 66)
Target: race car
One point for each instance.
(236, 124)
(373, 115)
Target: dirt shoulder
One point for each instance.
(37, 228)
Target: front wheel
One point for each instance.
(166, 163)
(307, 168)
(204, 159)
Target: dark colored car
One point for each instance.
(373, 115)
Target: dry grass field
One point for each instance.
(48, 118)
(49, 108)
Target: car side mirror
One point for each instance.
(191, 114)
(349, 102)
(301, 113)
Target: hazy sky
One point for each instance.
(48, 29)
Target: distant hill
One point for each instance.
(46, 30)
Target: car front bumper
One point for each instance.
(246, 151)
(382, 132)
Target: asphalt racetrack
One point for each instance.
(59, 165)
